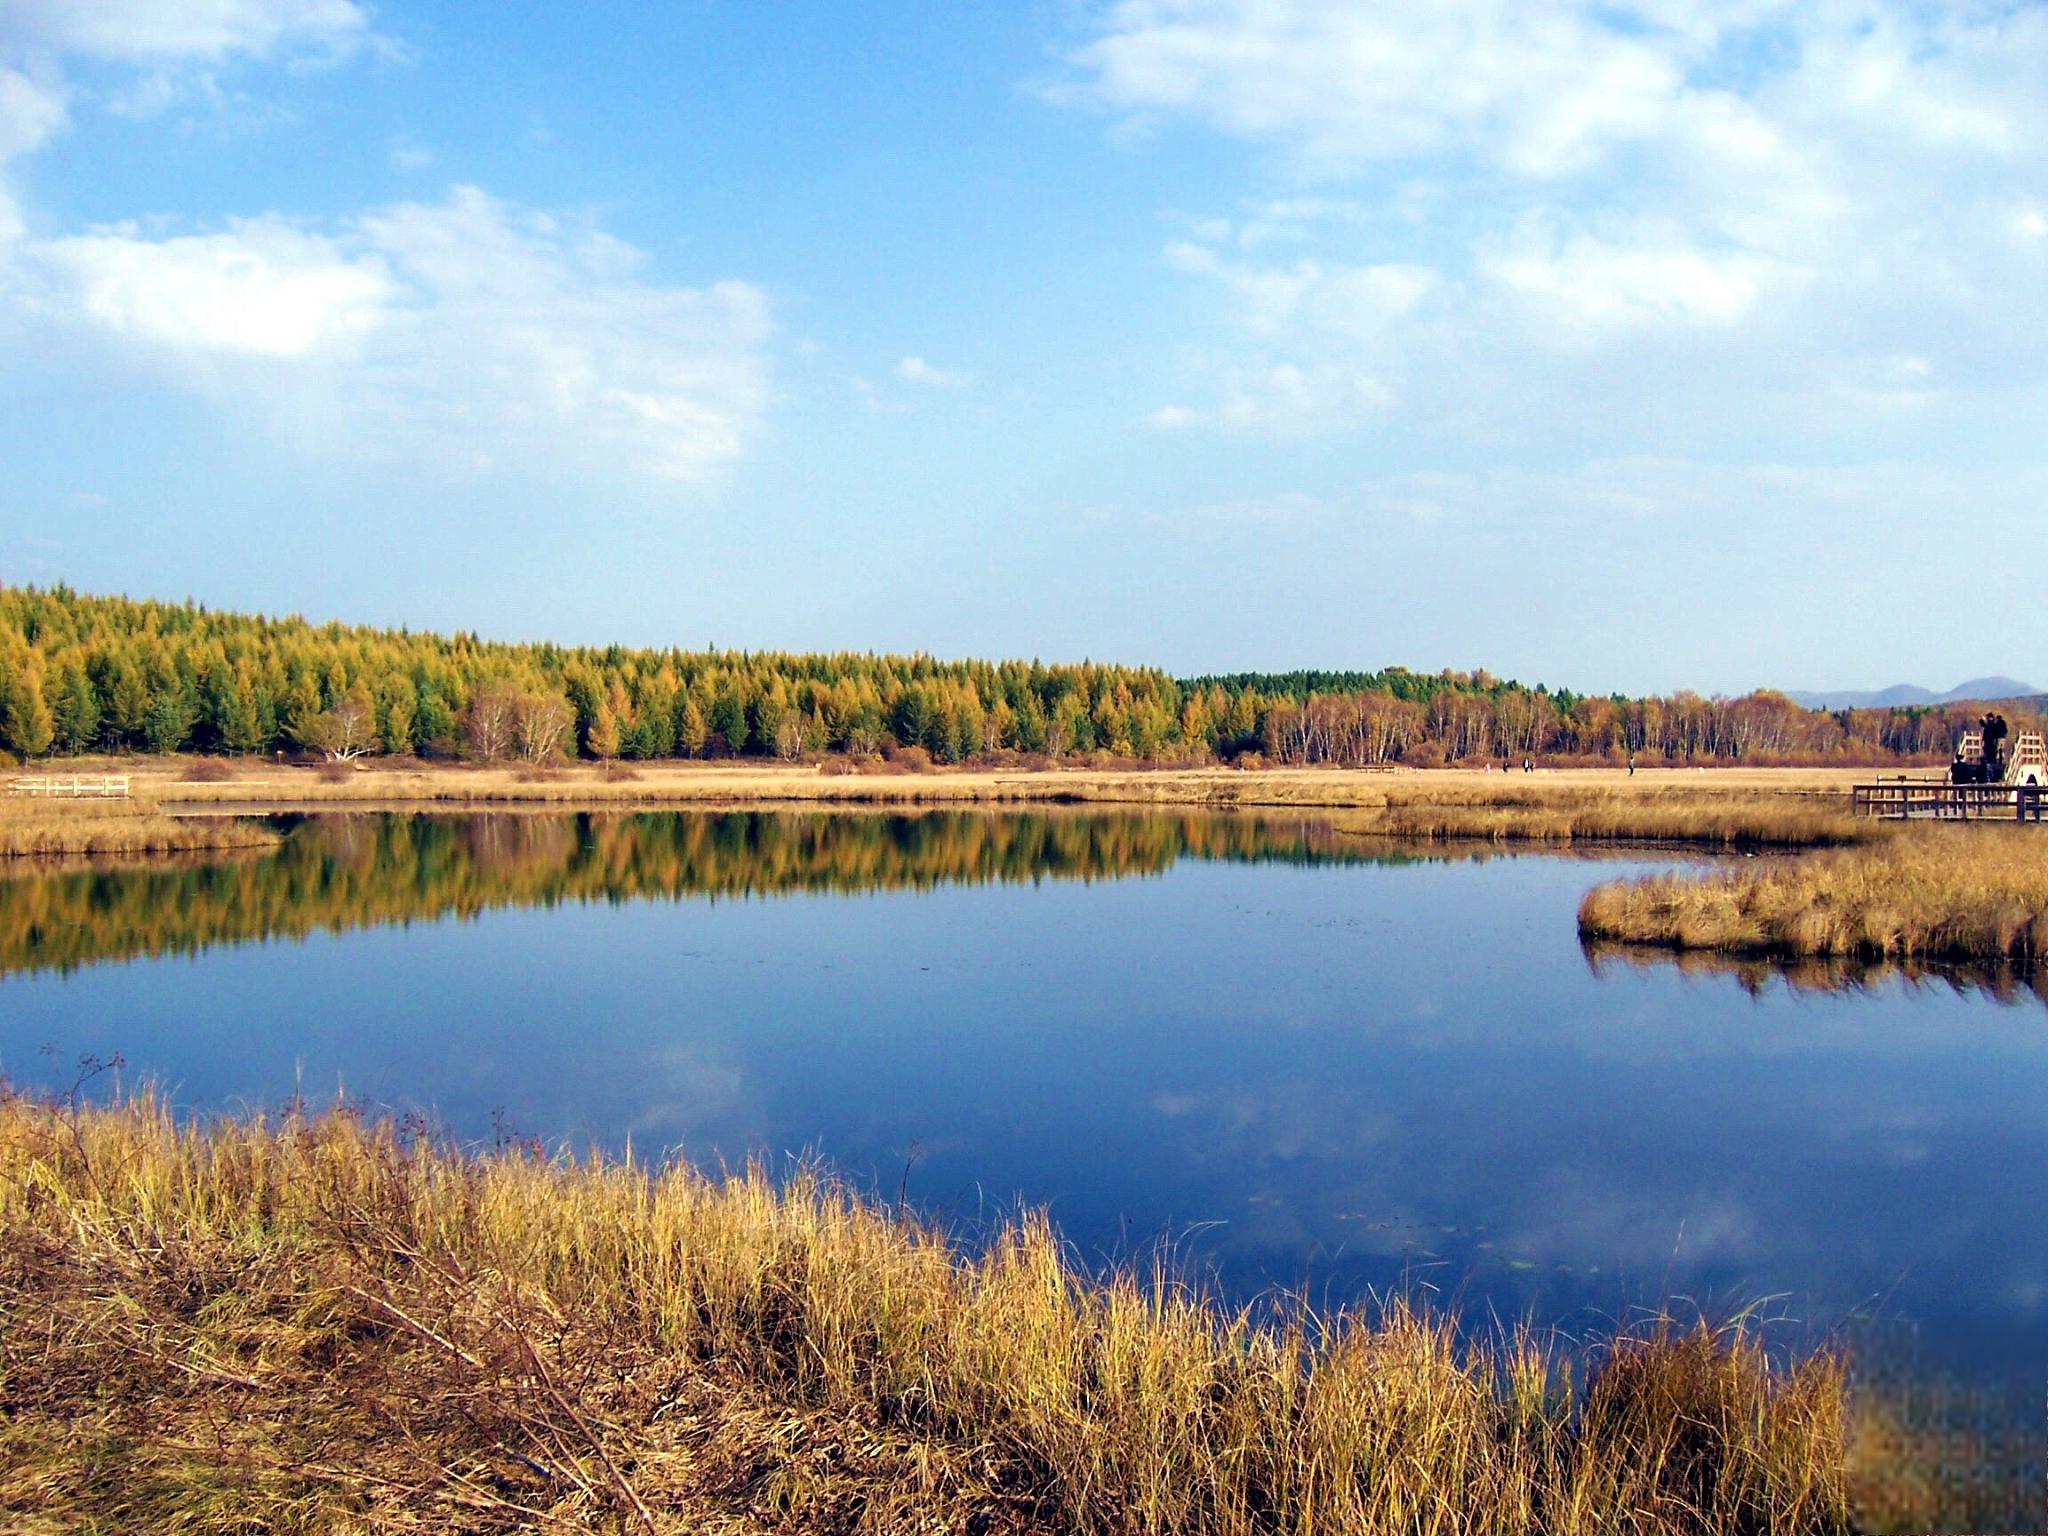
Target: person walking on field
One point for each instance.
(1631, 765)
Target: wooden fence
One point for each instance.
(73, 786)
(1934, 800)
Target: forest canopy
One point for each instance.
(82, 674)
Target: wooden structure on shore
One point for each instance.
(1984, 783)
(72, 786)
(1939, 800)
(1982, 759)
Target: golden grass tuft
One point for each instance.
(41, 828)
(1927, 893)
(1575, 814)
(316, 1324)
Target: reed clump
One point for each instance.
(309, 1323)
(1938, 893)
(39, 828)
(1706, 817)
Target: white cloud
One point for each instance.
(1590, 287)
(467, 329)
(31, 111)
(177, 42)
(1279, 397)
(1722, 203)
(1805, 505)
(154, 31)
(1339, 85)
(1325, 343)
(918, 371)
(260, 288)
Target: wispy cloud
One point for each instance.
(1709, 204)
(917, 371)
(471, 328)
(468, 330)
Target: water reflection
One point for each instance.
(2001, 981)
(336, 872)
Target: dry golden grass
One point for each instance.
(1914, 893)
(310, 1324)
(1720, 807)
(1572, 814)
(38, 828)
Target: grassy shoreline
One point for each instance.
(1721, 808)
(1915, 893)
(317, 1324)
(51, 829)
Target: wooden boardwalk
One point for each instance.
(1938, 800)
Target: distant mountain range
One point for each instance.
(1900, 694)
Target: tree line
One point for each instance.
(84, 674)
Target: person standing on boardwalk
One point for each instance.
(1994, 747)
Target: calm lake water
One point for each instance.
(1307, 1059)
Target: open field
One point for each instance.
(34, 828)
(1722, 807)
(313, 1324)
(1913, 893)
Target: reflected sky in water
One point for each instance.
(1362, 1069)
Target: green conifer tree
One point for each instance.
(29, 728)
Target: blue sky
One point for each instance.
(1630, 346)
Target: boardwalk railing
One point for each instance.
(72, 786)
(1935, 800)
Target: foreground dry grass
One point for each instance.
(1929, 893)
(1721, 807)
(312, 1325)
(35, 828)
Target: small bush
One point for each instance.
(333, 772)
(210, 770)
